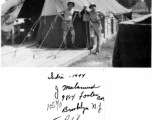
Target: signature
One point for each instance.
(65, 87)
(79, 107)
(68, 117)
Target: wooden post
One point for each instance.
(109, 27)
(86, 20)
(122, 17)
(114, 25)
(104, 26)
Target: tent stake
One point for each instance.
(33, 55)
(15, 53)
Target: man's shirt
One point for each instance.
(95, 16)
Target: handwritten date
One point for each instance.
(61, 76)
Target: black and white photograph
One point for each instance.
(75, 60)
(79, 33)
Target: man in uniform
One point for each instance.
(67, 19)
(95, 28)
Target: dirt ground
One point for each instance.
(103, 59)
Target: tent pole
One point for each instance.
(88, 44)
(44, 22)
(86, 25)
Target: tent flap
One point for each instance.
(10, 6)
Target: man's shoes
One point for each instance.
(96, 53)
(93, 51)
(37, 46)
(73, 46)
(2, 44)
(65, 47)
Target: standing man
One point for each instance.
(95, 28)
(68, 24)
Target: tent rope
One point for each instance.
(36, 23)
(64, 37)
(51, 27)
(32, 29)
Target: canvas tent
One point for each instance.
(11, 7)
(133, 43)
(48, 9)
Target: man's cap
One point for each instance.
(91, 5)
(70, 3)
(85, 5)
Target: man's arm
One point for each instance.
(60, 14)
(101, 14)
(79, 12)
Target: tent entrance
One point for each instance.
(32, 9)
(55, 36)
(30, 13)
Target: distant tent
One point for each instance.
(48, 9)
(140, 7)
